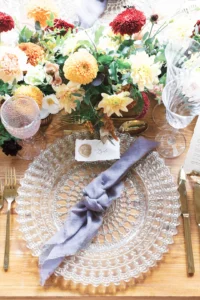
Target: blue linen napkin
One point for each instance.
(85, 217)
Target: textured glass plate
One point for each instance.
(137, 228)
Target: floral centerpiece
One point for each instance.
(91, 75)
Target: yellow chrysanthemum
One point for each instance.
(65, 94)
(81, 67)
(30, 91)
(41, 11)
(112, 104)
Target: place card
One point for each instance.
(95, 150)
(192, 162)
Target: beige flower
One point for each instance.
(112, 104)
(65, 94)
(12, 64)
(144, 71)
(53, 71)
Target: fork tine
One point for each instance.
(6, 178)
(14, 177)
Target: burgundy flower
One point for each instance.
(145, 106)
(154, 18)
(128, 22)
(60, 24)
(11, 147)
(6, 22)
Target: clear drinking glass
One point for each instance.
(181, 98)
(182, 56)
(21, 117)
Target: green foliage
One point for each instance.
(5, 88)
(4, 135)
(98, 34)
(137, 96)
(50, 22)
(25, 35)
(105, 59)
(113, 71)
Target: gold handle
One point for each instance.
(7, 242)
(188, 243)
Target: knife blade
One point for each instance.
(186, 221)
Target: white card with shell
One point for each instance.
(95, 150)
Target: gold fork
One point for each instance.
(10, 192)
(1, 195)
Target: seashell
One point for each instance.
(85, 150)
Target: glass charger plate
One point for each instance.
(137, 228)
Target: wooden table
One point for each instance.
(168, 279)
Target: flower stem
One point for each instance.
(152, 24)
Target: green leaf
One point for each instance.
(25, 35)
(76, 94)
(121, 64)
(78, 104)
(145, 36)
(5, 88)
(105, 59)
(50, 22)
(113, 71)
(98, 34)
(60, 60)
(84, 44)
(149, 41)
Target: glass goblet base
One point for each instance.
(172, 143)
(32, 147)
(159, 115)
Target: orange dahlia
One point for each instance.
(30, 91)
(41, 11)
(34, 52)
(81, 67)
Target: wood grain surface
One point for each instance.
(167, 280)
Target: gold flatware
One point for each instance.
(186, 221)
(10, 192)
(197, 203)
(133, 127)
(1, 195)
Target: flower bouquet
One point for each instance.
(91, 75)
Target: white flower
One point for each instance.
(51, 104)
(35, 75)
(70, 44)
(107, 44)
(13, 62)
(181, 28)
(144, 71)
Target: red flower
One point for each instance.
(198, 29)
(128, 22)
(60, 24)
(198, 26)
(6, 22)
(145, 106)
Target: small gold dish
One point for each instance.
(133, 127)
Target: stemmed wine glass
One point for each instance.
(181, 98)
(20, 115)
(182, 57)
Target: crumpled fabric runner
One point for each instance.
(85, 217)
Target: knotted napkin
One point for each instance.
(85, 217)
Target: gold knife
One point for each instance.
(186, 221)
(197, 203)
